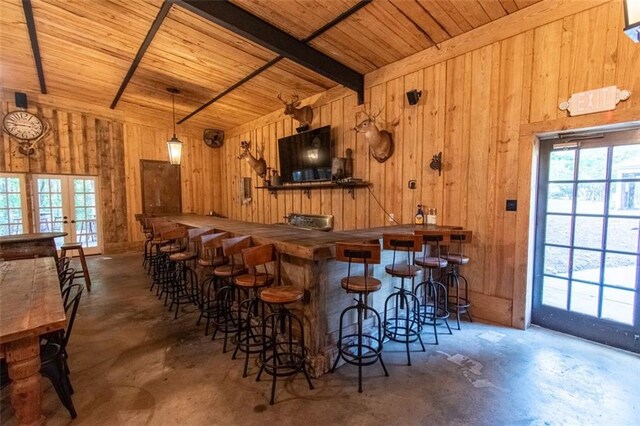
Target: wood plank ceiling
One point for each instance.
(88, 47)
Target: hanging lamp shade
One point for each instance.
(174, 145)
(632, 19)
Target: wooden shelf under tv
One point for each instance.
(306, 188)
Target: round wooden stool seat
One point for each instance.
(253, 281)
(227, 271)
(431, 262)
(358, 284)
(282, 295)
(402, 270)
(216, 261)
(183, 256)
(457, 259)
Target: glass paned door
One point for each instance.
(69, 204)
(12, 204)
(587, 243)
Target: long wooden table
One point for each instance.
(30, 305)
(27, 246)
(306, 259)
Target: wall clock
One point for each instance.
(26, 128)
(213, 138)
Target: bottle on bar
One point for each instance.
(419, 216)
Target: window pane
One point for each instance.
(13, 185)
(3, 184)
(78, 200)
(89, 185)
(584, 298)
(586, 265)
(80, 214)
(560, 197)
(90, 200)
(620, 270)
(590, 198)
(14, 201)
(554, 292)
(4, 230)
(43, 185)
(44, 200)
(78, 185)
(624, 198)
(561, 165)
(588, 232)
(592, 163)
(4, 201)
(556, 261)
(626, 158)
(622, 234)
(618, 304)
(56, 200)
(56, 185)
(558, 229)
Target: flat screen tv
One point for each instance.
(306, 157)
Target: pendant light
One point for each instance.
(174, 145)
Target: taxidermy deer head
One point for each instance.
(380, 141)
(303, 115)
(257, 164)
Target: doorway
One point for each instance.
(586, 269)
(69, 204)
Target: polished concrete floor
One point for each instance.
(133, 364)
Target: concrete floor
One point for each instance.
(133, 364)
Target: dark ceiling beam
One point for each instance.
(162, 13)
(249, 26)
(344, 15)
(33, 36)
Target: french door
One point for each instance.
(69, 204)
(587, 238)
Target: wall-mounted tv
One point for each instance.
(306, 157)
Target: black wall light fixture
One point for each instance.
(414, 96)
(436, 163)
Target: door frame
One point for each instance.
(67, 201)
(601, 330)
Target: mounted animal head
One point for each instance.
(303, 115)
(257, 164)
(380, 141)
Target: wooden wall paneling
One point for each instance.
(452, 156)
(588, 25)
(546, 64)
(365, 206)
(376, 173)
(391, 120)
(527, 76)
(412, 147)
(615, 17)
(331, 115)
(341, 199)
(566, 59)
(480, 165)
(628, 76)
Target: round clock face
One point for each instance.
(23, 125)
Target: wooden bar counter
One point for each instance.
(307, 260)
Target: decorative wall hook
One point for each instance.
(436, 163)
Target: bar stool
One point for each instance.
(211, 257)
(362, 285)
(432, 293)
(457, 302)
(403, 324)
(84, 272)
(228, 297)
(250, 338)
(285, 355)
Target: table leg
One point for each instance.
(23, 360)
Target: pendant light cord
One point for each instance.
(173, 106)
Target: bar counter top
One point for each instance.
(302, 243)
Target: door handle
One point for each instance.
(65, 221)
(64, 217)
(73, 221)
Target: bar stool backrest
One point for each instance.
(234, 246)
(254, 257)
(459, 239)
(403, 243)
(160, 226)
(212, 243)
(178, 234)
(363, 253)
(432, 238)
(195, 234)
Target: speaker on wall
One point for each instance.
(213, 138)
(21, 100)
(413, 96)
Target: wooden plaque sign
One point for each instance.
(596, 100)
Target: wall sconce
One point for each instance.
(174, 145)
(414, 96)
(632, 19)
(436, 163)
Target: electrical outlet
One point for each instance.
(392, 217)
(512, 205)
(412, 184)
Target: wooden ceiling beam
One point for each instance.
(162, 13)
(344, 15)
(33, 37)
(249, 26)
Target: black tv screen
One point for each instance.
(306, 157)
